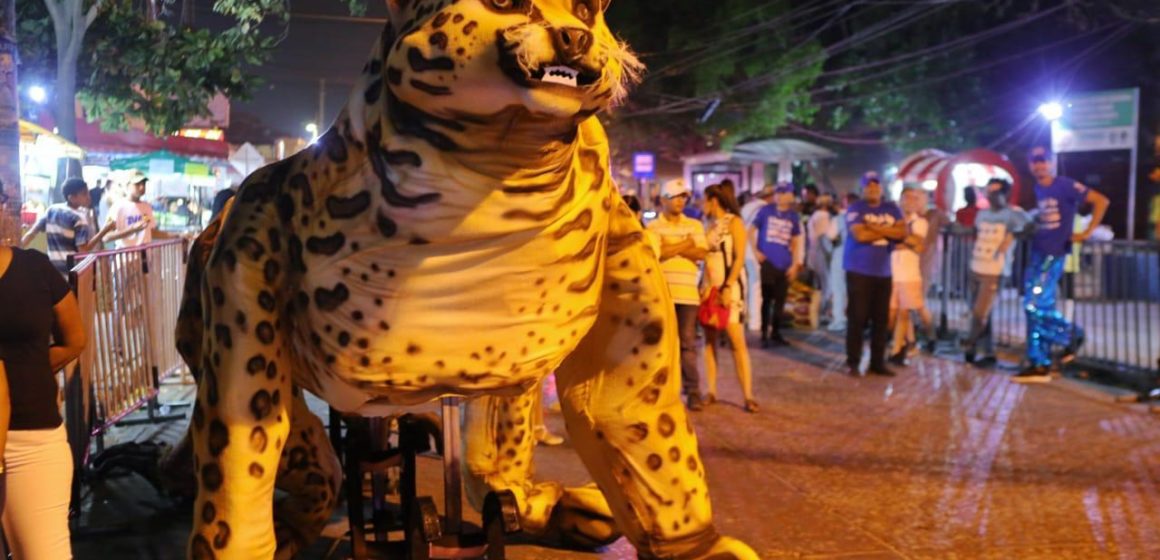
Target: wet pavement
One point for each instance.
(943, 461)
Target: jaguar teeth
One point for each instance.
(560, 75)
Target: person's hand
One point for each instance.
(760, 257)
(139, 226)
(793, 271)
(723, 295)
(1081, 237)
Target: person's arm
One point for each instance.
(797, 249)
(73, 338)
(737, 230)
(131, 230)
(752, 238)
(670, 250)
(98, 239)
(1099, 204)
(893, 232)
(865, 233)
(5, 413)
(916, 239)
(700, 246)
(35, 229)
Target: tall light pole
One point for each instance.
(9, 123)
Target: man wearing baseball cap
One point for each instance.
(133, 218)
(874, 225)
(776, 234)
(683, 245)
(1058, 200)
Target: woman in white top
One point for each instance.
(724, 269)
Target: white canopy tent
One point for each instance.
(747, 161)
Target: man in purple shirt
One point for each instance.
(874, 226)
(776, 234)
(1058, 200)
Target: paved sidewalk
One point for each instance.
(944, 461)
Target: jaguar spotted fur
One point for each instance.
(455, 232)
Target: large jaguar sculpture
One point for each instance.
(456, 232)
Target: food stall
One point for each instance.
(40, 154)
(180, 188)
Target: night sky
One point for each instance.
(314, 48)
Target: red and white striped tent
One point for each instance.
(937, 165)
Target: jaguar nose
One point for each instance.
(573, 42)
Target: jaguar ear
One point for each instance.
(396, 12)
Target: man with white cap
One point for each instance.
(133, 218)
(683, 245)
(749, 210)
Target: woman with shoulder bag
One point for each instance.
(725, 283)
(33, 299)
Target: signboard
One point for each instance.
(1097, 121)
(644, 165)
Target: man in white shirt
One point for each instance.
(683, 245)
(133, 218)
(906, 269)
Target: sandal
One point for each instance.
(751, 406)
(710, 398)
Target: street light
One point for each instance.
(37, 94)
(1052, 111)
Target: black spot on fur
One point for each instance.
(222, 537)
(198, 415)
(345, 208)
(420, 63)
(335, 146)
(665, 425)
(251, 248)
(256, 470)
(274, 238)
(211, 476)
(265, 332)
(327, 246)
(219, 437)
(258, 440)
(343, 339)
(285, 206)
(404, 157)
(394, 76)
(652, 333)
(296, 262)
(219, 297)
(654, 461)
(266, 300)
(412, 121)
(430, 89)
(256, 365)
(374, 92)
(208, 513)
(271, 370)
(260, 405)
(329, 300)
(199, 549)
(221, 333)
(387, 226)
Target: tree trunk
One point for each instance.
(9, 125)
(66, 95)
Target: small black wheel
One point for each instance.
(501, 517)
(423, 528)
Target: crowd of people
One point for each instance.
(870, 261)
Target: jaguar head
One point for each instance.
(556, 58)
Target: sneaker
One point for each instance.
(898, 359)
(1072, 350)
(1033, 374)
(548, 438)
(694, 403)
(836, 327)
(969, 357)
(854, 371)
(751, 406)
(930, 346)
(778, 340)
(987, 362)
(881, 370)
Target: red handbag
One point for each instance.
(711, 313)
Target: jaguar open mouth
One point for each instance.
(564, 75)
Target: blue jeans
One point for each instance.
(1045, 324)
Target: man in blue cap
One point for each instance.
(874, 226)
(1058, 200)
(776, 234)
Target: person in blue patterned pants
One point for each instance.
(1058, 200)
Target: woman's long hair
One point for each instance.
(724, 197)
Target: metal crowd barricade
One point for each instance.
(1110, 288)
(129, 300)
